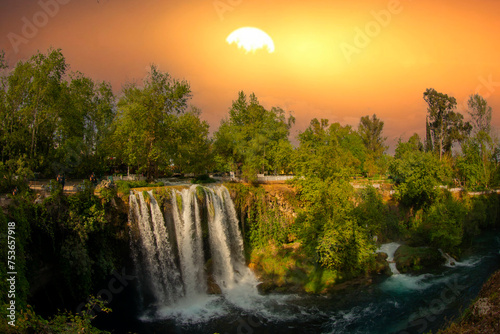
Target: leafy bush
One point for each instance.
(445, 220)
(371, 211)
(328, 227)
(15, 173)
(63, 322)
(418, 175)
(108, 194)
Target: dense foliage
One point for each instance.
(54, 122)
(51, 123)
(253, 139)
(78, 237)
(154, 131)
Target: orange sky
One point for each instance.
(322, 67)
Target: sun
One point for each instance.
(251, 39)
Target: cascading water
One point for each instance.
(189, 241)
(175, 266)
(202, 221)
(390, 249)
(152, 251)
(450, 261)
(235, 279)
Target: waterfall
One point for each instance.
(189, 238)
(155, 256)
(172, 259)
(390, 249)
(450, 261)
(226, 242)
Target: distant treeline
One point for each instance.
(53, 121)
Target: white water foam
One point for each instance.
(182, 294)
(402, 283)
(450, 261)
(390, 249)
(470, 262)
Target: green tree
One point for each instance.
(328, 227)
(476, 166)
(370, 130)
(31, 104)
(84, 126)
(413, 144)
(445, 221)
(253, 138)
(55, 123)
(480, 112)
(371, 210)
(329, 151)
(445, 125)
(192, 152)
(418, 175)
(145, 122)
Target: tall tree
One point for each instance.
(192, 153)
(446, 125)
(429, 147)
(84, 124)
(327, 151)
(480, 112)
(31, 106)
(476, 166)
(370, 130)
(51, 121)
(253, 138)
(327, 157)
(145, 122)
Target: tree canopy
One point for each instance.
(445, 125)
(56, 121)
(253, 139)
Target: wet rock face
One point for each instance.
(381, 265)
(212, 287)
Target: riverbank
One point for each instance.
(483, 315)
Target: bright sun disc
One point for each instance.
(251, 39)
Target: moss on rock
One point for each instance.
(411, 259)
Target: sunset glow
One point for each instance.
(333, 60)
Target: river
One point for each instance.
(398, 304)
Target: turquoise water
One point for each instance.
(397, 304)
